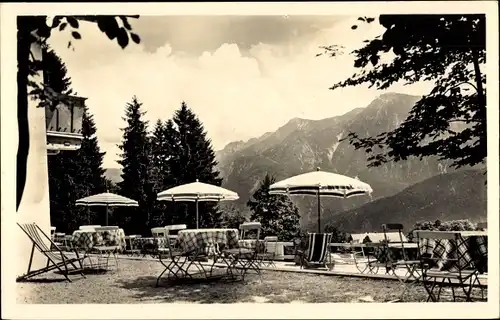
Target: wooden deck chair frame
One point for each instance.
(412, 267)
(174, 265)
(314, 257)
(431, 279)
(52, 253)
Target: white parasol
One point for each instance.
(197, 192)
(106, 199)
(321, 184)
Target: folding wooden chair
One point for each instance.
(318, 251)
(453, 269)
(56, 259)
(130, 248)
(172, 231)
(174, 265)
(242, 258)
(105, 250)
(267, 256)
(406, 270)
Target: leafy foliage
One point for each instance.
(337, 235)
(232, 217)
(438, 225)
(277, 213)
(450, 121)
(135, 159)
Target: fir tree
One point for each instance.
(158, 170)
(72, 174)
(55, 72)
(135, 170)
(277, 213)
(192, 159)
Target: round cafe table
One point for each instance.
(200, 239)
(88, 239)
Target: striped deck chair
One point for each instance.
(317, 250)
(56, 259)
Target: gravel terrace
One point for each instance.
(135, 281)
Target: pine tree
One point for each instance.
(158, 170)
(55, 72)
(277, 213)
(72, 174)
(192, 158)
(135, 164)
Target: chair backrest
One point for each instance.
(176, 227)
(89, 227)
(248, 226)
(317, 245)
(106, 228)
(173, 229)
(390, 227)
(159, 232)
(36, 235)
(436, 235)
(270, 243)
(398, 227)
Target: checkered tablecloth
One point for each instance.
(196, 239)
(150, 243)
(87, 239)
(452, 255)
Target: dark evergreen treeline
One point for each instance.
(172, 152)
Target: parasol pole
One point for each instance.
(196, 212)
(319, 211)
(319, 206)
(106, 214)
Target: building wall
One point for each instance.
(35, 205)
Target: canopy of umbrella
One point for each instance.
(197, 192)
(321, 184)
(106, 199)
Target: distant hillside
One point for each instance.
(302, 145)
(451, 196)
(113, 174)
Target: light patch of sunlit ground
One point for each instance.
(135, 281)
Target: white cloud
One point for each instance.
(237, 96)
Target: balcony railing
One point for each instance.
(64, 124)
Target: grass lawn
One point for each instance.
(135, 281)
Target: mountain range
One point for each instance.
(450, 196)
(302, 145)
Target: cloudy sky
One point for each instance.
(242, 75)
